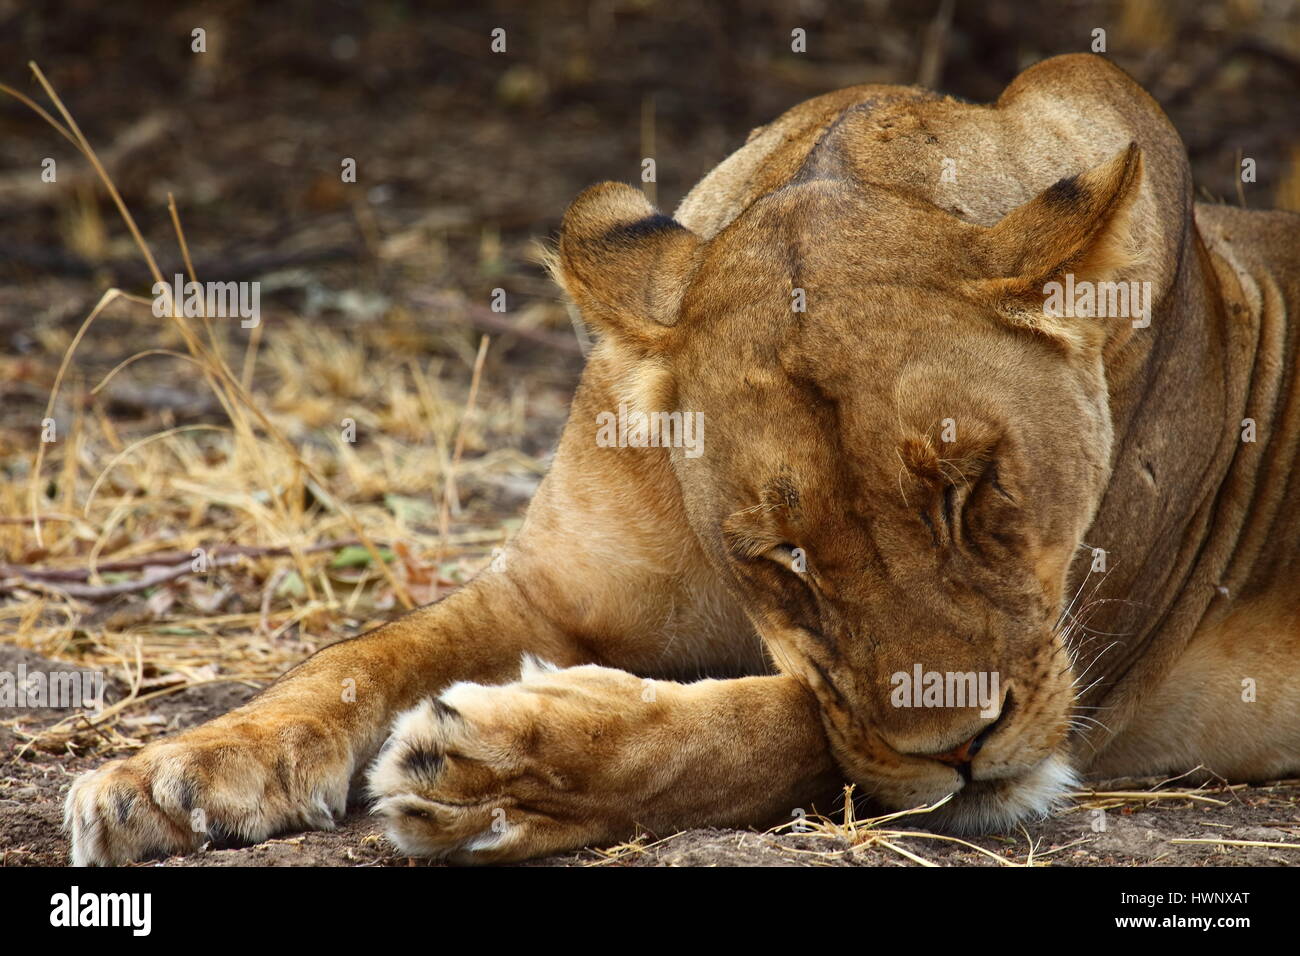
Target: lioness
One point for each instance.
(914, 462)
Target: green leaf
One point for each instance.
(355, 556)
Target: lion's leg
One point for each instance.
(585, 581)
(565, 758)
(1229, 704)
(286, 758)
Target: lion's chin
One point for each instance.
(992, 806)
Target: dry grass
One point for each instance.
(860, 833)
(303, 538)
(849, 834)
(852, 835)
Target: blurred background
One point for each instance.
(376, 295)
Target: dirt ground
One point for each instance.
(1137, 831)
(375, 304)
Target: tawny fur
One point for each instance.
(638, 570)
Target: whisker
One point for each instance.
(1094, 661)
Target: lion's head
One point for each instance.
(902, 452)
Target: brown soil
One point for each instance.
(1138, 832)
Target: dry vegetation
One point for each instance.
(193, 525)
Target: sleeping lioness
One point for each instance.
(982, 393)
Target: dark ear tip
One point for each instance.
(651, 225)
(1116, 175)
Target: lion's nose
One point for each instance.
(960, 757)
(963, 754)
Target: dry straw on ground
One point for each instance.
(228, 549)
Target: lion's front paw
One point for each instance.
(211, 784)
(496, 773)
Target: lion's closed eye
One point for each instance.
(994, 480)
(987, 492)
(788, 564)
(788, 556)
(965, 497)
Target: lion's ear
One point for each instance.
(1078, 227)
(625, 265)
